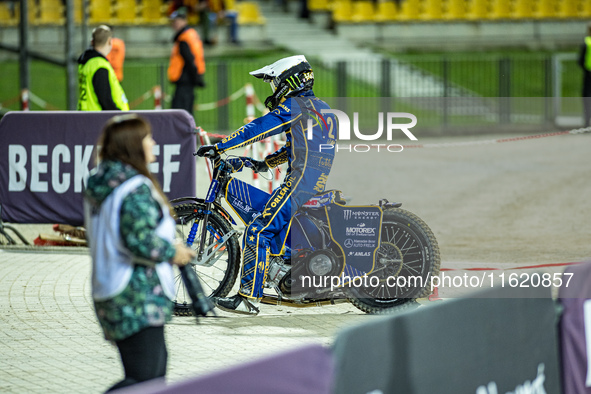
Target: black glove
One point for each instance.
(256, 165)
(207, 151)
(200, 81)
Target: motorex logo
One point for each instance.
(388, 123)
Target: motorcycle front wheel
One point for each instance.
(218, 279)
(406, 261)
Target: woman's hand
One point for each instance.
(183, 255)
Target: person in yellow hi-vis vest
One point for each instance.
(98, 87)
(585, 63)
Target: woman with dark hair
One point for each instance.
(131, 237)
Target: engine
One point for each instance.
(312, 273)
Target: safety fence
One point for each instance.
(484, 90)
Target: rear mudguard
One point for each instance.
(216, 206)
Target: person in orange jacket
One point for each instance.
(117, 57)
(187, 64)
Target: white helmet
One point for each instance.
(288, 77)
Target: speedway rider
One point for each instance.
(293, 109)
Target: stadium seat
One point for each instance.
(318, 5)
(7, 17)
(432, 10)
(386, 11)
(546, 9)
(363, 11)
(192, 17)
(33, 12)
(410, 10)
(100, 11)
(585, 9)
(152, 12)
(568, 9)
(456, 9)
(501, 9)
(78, 11)
(125, 12)
(51, 12)
(523, 9)
(478, 9)
(342, 11)
(249, 13)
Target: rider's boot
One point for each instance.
(236, 304)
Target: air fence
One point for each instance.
(447, 93)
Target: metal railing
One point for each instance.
(443, 91)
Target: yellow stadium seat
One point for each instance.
(100, 11)
(546, 9)
(585, 9)
(478, 9)
(410, 10)
(342, 11)
(33, 12)
(568, 9)
(152, 12)
(501, 9)
(230, 5)
(7, 17)
(51, 12)
(456, 9)
(249, 14)
(318, 5)
(78, 11)
(432, 10)
(363, 11)
(125, 12)
(386, 11)
(523, 9)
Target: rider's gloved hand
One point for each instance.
(257, 165)
(204, 150)
(237, 163)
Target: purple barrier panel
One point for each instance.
(503, 341)
(45, 158)
(575, 329)
(308, 370)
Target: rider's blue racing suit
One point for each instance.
(310, 161)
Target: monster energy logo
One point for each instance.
(294, 82)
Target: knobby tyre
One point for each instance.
(218, 279)
(409, 256)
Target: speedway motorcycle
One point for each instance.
(377, 257)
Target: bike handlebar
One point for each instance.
(210, 154)
(215, 157)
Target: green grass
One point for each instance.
(479, 72)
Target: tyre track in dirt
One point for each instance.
(517, 202)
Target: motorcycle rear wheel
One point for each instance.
(218, 279)
(409, 255)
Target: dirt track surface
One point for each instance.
(515, 202)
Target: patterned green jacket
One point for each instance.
(142, 303)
